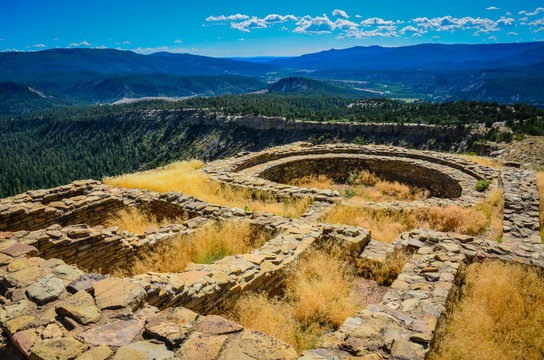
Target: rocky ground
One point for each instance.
(529, 152)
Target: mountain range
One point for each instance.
(506, 73)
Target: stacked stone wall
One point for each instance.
(48, 305)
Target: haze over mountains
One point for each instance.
(59, 77)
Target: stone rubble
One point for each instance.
(51, 309)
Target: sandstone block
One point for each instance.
(45, 290)
(115, 293)
(66, 348)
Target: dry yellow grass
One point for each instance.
(183, 176)
(209, 244)
(386, 224)
(317, 298)
(540, 187)
(384, 273)
(483, 160)
(138, 221)
(500, 316)
(365, 186)
(493, 208)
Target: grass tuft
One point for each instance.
(483, 160)
(387, 224)
(384, 273)
(204, 246)
(365, 186)
(500, 316)
(318, 297)
(183, 176)
(138, 221)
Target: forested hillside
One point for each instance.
(520, 117)
(54, 147)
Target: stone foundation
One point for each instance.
(50, 306)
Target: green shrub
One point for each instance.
(349, 193)
(505, 137)
(353, 178)
(482, 185)
(359, 140)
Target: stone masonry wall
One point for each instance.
(50, 308)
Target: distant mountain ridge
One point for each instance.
(507, 73)
(17, 66)
(425, 56)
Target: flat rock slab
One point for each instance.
(255, 345)
(115, 293)
(67, 272)
(15, 309)
(201, 346)
(81, 298)
(84, 315)
(45, 290)
(84, 282)
(173, 332)
(21, 249)
(24, 277)
(20, 264)
(24, 340)
(96, 353)
(145, 350)
(17, 324)
(216, 325)
(118, 333)
(65, 348)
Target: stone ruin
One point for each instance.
(50, 308)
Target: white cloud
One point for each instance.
(449, 23)
(322, 25)
(404, 30)
(537, 11)
(316, 25)
(513, 33)
(508, 13)
(150, 50)
(55, 39)
(258, 23)
(341, 13)
(178, 41)
(126, 43)
(538, 23)
(381, 31)
(374, 26)
(83, 43)
(39, 46)
(230, 17)
(493, 38)
(376, 21)
(275, 18)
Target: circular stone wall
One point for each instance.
(338, 168)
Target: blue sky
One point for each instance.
(262, 28)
